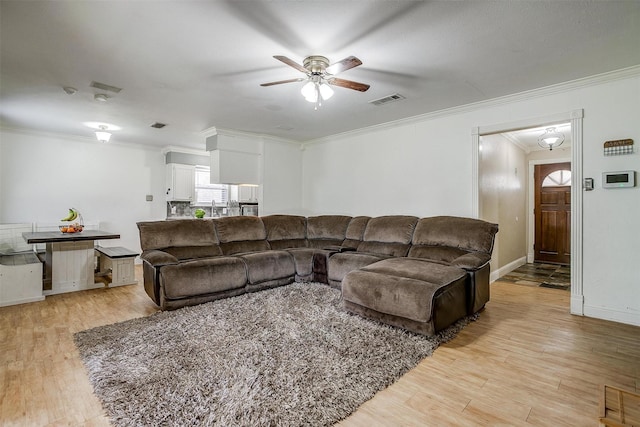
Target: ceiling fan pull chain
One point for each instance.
(318, 97)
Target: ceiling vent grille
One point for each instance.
(103, 86)
(158, 125)
(388, 99)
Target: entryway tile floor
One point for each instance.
(540, 274)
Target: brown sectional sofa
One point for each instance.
(419, 274)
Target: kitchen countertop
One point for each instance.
(189, 217)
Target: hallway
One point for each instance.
(540, 274)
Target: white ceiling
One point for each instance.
(527, 139)
(199, 64)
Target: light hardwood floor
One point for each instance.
(526, 361)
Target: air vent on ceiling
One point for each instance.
(387, 99)
(103, 86)
(158, 125)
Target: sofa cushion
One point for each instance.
(327, 226)
(157, 257)
(387, 249)
(402, 287)
(285, 231)
(237, 228)
(390, 229)
(176, 233)
(327, 230)
(311, 263)
(201, 277)
(472, 260)
(342, 263)
(194, 252)
(269, 265)
(388, 235)
(303, 260)
(416, 269)
(468, 234)
(240, 234)
(244, 246)
(355, 231)
(444, 254)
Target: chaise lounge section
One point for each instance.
(418, 274)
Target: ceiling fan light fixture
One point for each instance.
(309, 91)
(319, 75)
(551, 139)
(325, 91)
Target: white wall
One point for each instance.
(423, 167)
(408, 169)
(281, 180)
(502, 186)
(41, 176)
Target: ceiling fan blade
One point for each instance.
(349, 84)
(291, 63)
(345, 64)
(283, 81)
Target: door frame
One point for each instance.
(531, 218)
(576, 119)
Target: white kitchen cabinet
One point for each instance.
(247, 193)
(181, 182)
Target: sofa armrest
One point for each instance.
(471, 261)
(158, 258)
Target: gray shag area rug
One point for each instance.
(289, 356)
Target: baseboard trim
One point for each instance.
(495, 275)
(21, 301)
(577, 305)
(613, 315)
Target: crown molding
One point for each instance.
(233, 132)
(515, 141)
(178, 149)
(621, 74)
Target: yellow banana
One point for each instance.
(73, 214)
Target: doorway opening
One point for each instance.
(515, 206)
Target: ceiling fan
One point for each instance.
(320, 75)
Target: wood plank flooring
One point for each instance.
(525, 362)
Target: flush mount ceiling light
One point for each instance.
(102, 130)
(320, 76)
(103, 135)
(101, 125)
(100, 97)
(551, 139)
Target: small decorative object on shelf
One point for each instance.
(618, 147)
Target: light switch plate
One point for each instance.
(149, 197)
(588, 184)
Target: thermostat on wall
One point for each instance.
(619, 179)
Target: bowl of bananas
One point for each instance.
(74, 222)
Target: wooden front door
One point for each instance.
(553, 213)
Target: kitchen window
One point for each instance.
(206, 192)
